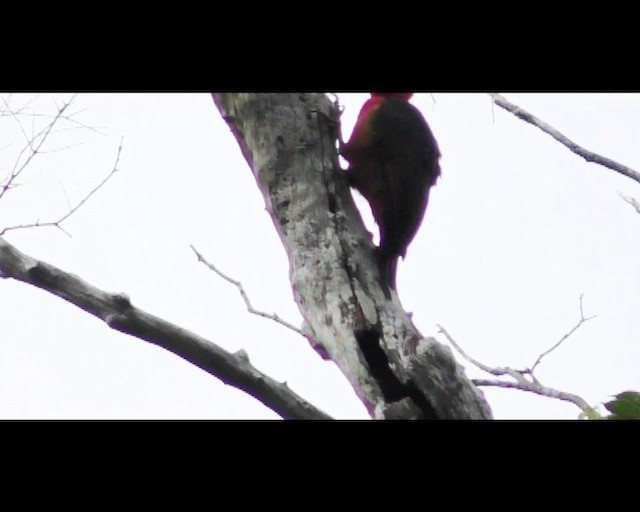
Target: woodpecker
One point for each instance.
(393, 162)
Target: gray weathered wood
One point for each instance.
(289, 141)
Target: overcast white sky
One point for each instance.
(517, 228)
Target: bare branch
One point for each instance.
(631, 200)
(538, 389)
(245, 297)
(70, 118)
(488, 369)
(525, 379)
(589, 156)
(31, 145)
(57, 223)
(518, 375)
(10, 112)
(66, 196)
(556, 345)
(118, 313)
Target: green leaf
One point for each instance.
(626, 406)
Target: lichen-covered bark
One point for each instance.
(289, 141)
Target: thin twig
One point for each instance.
(525, 379)
(556, 345)
(117, 311)
(244, 295)
(69, 118)
(589, 156)
(31, 145)
(66, 196)
(631, 200)
(57, 223)
(11, 112)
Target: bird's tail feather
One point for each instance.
(387, 266)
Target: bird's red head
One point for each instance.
(406, 96)
(361, 130)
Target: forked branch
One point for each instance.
(58, 223)
(524, 379)
(33, 144)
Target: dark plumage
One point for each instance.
(393, 163)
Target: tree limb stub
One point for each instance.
(289, 142)
(117, 311)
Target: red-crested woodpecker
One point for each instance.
(393, 162)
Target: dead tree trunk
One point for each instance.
(289, 141)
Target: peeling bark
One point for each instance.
(289, 141)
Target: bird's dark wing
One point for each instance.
(407, 154)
